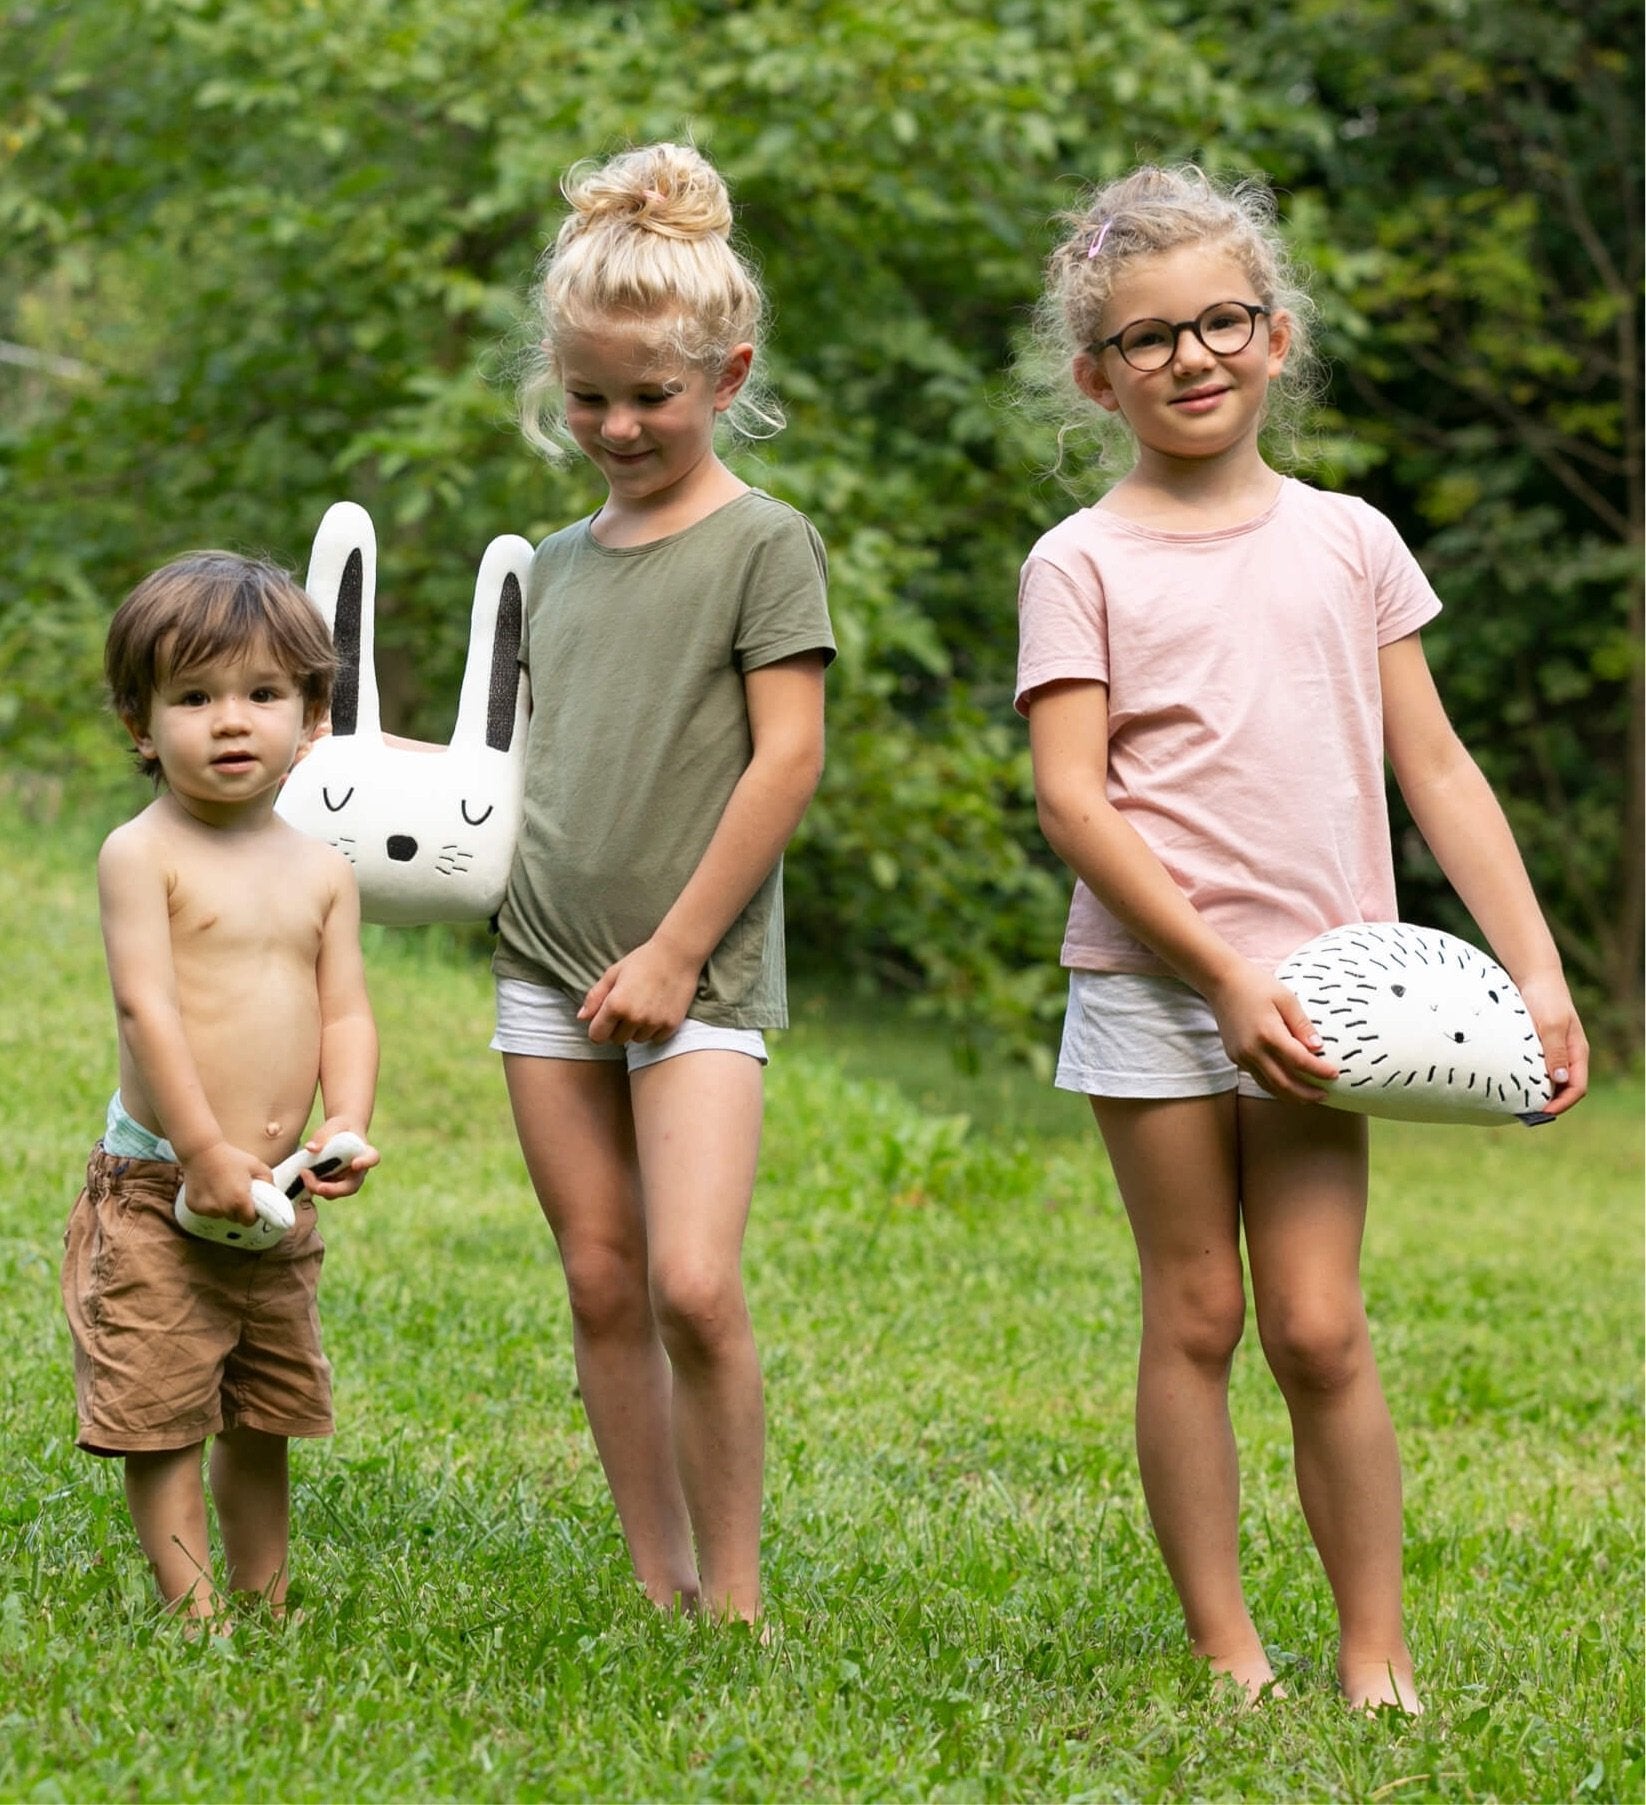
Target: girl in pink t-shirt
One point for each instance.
(1216, 661)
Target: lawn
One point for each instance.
(965, 1600)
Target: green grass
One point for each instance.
(966, 1600)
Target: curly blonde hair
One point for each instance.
(648, 241)
(1143, 214)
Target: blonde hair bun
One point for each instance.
(648, 244)
(671, 189)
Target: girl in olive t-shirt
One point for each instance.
(676, 642)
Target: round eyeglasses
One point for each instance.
(1223, 328)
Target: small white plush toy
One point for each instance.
(273, 1202)
(430, 834)
(1423, 1026)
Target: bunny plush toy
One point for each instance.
(430, 834)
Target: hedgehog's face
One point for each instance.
(1445, 1010)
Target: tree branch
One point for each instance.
(1530, 433)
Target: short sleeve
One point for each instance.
(784, 607)
(1063, 629)
(1406, 599)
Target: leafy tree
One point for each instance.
(269, 252)
(1477, 212)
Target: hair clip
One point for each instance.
(1097, 243)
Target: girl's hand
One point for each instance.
(219, 1178)
(1565, 1045)
(353, 1176)
(644, 996)
(1267, 1034)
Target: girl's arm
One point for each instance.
(348, 1039)
(1264, 1027)
(132, 899)
(646, 994)
(1470, 836)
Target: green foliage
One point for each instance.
(1488, 345)
(265, 253)
(966, 1602)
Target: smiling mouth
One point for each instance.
(1209, 394)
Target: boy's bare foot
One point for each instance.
(1369, 1686)
(757, 1626)
(205, 1626)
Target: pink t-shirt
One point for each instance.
(1245, 715)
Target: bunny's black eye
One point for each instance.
(1398, 989)
(474, 820)
(336, 807)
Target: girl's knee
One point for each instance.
(1200, 1320)
(1319, 1348)
(606, 1286)
(700, 1312)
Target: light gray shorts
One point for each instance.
(542, 1023)
(1139, 1034)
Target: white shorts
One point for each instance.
(542, 1023)
(1139, 1034)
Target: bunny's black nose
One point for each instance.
(402, 847)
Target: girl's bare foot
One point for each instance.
(1251, 1672)
(1375, 1686)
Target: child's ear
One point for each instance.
(139, 731)
(1092, 381)
(734, 372)
(1280, 341)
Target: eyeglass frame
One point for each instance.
(1251, 308)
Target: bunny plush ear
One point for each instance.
(430, 830)
(492, 706)
(343, 584)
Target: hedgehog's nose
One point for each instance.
(402, 847)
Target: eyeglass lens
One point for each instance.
(1223, 328)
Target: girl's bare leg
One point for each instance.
(1176, 1162)
(168, 1508)
(697, 1123)
(1305, 1211)
(250, 1485)
(576, 1130)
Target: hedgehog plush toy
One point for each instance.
(1421, 1025)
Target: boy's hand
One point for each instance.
(218, 1180)
(346, 1182)
(1267, 1033)
(644, 996)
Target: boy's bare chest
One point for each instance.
(243, 916)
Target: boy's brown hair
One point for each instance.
(208, 605)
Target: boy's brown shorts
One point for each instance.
(176, 1338)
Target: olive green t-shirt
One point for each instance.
(639, 732)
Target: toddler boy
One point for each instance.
(239, 990)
